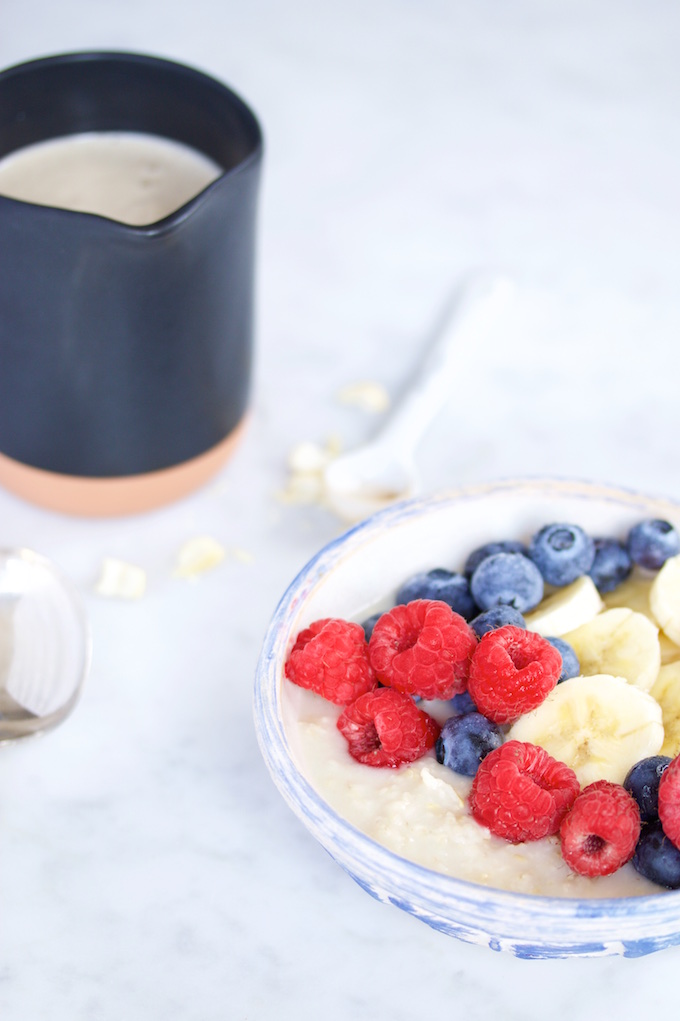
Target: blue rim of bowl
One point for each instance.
(432, 891)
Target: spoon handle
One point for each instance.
(473, 310)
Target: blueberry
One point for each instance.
(497, 616)
(448, 586)
(652, 542)
(482, 552)
(562, 553)
(369, 624)
(510, 579)
(465, 740)
(570, 664)
(642, 781)
(463, 704)
(611, 566)
(656, 858)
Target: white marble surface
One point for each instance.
(148, 867)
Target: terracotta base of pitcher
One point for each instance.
(112, 497)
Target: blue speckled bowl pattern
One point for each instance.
(528, 926)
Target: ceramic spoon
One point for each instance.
(367, 479)
(44, 645)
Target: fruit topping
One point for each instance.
(611, 566)
(601, 830)
(567, 608)
(620, 642)
(600, 726)
(497, 616)
(570, 664)
(488, 549)
(666, 691)
(510, 579)
(369, 624)
(521, 793)
(657, 858)
(512, 671)
(463, 703)
(652, 542)
(447, 586)
(529, 742)
(562, 553)
(422, 648)
(664, 599)
(669, 801)
(642, 782)
(385, 728)
(330, 657)
(465, 741)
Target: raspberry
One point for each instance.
(422, 648)
(600, 832)
(511, 673)
(330, 657)
(669, 802)
(386, 728)
(521, 793)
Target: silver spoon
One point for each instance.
(45, 644)
(384, 470)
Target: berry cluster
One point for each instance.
(463, 637)
(653, 783)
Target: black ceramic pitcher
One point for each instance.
(125, 351)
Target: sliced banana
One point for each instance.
(670, 652)
(666, 691)
(620, 642)
(664, 599)
(566, 609)
(600, 726)
(633, 593)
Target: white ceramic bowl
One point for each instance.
(350, 575)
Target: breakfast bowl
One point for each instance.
(540, 910)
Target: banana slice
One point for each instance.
(670, 652)
(666, 691)
(619, 642)
(566, 609)
(600, 726)
(633, 593)
(664, 599)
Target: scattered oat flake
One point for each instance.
(120, 580)
(308, 458)
(198, 555)
(307, 462)
(302, 488)
(368, 396)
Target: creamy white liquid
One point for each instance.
(131, 177)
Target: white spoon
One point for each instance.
(363, 481)
(44, 644)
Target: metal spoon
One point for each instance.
(384, 470)
(45, 644)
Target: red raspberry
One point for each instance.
(422, 648)
(511, 672)
(330, 657)
(386, 728)
(601, 830)
(669, 801)
(522, 793)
